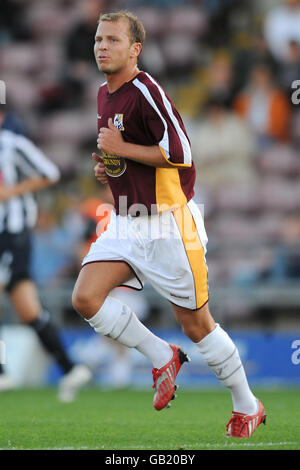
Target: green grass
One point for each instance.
(34, 419)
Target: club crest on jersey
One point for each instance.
(118, 122)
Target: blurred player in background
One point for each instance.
(156, 232)
(23, 170)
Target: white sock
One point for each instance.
(116, 320)
(156, 350)
(119, 322)
(221, 354)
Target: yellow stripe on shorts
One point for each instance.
(194, 251)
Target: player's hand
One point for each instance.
(99, 169)
(110, 139)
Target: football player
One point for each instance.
(156, 232)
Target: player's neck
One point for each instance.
(116, 80)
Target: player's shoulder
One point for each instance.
(9, 137)
(147, 80)
(5, 134)
(16, 141)
(102, 88)
(149, 87)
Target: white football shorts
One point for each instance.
(166, 249)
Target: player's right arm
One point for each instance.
(30, 185)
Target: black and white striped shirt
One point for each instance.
(20, 160)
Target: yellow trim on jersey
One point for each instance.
(169, 193)
(195, 252)
(184, 165)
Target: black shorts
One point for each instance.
(15, 258)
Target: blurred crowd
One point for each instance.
(231, 68)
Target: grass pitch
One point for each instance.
(125, 420)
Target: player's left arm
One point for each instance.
(163, 124)
(110, 140)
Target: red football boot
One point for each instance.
(164, 379)
(242, 425)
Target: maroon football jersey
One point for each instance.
(145, 115)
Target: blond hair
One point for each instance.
(136, 28)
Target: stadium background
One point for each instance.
(229, 66)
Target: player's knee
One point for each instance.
(196, 331)
(192, 331)
(86, 304)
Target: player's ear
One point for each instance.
(136, 49)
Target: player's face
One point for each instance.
(113, 49)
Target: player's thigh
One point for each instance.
(196, 324)
(25, 299)
(94, 283)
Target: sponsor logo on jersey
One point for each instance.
(114, 166)
(118, 121)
